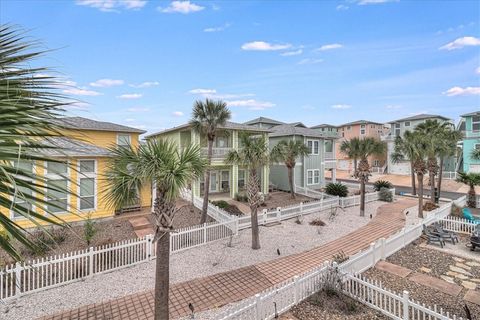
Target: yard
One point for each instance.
(433, 277)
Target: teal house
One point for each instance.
(470, 126)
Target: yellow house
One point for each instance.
(84, 147)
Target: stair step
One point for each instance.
(143, 232)
(140, 223)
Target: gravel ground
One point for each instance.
(289, 237)
(415, 257)
(283, 199)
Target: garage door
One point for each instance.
(474, 168)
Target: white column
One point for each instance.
(334, 175)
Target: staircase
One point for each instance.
(141, 226)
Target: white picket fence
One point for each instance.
(449, 175)
(280, 298)
(345, 202)
(458, 225)
(311, 193)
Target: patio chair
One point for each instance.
(432, 237)
(449, 235)
(467, 214)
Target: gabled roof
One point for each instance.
(298, 124)
(80, 123)
(474, 113)
(72, 148)
(323, 125)
(359, 122)
(421, 117)
(263, 120)
(228, 126)
(292, 130)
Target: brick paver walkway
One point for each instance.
(227, 287)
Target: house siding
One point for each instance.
(469, 141)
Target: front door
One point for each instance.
(213, 181)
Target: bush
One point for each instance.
(241, 196)
(222, 204)
(378, 185)
(44, 241)
(340, 257)
(336, 189)
(385, 195)
(89, 229)
(429, 206)
(317, 222)
(456, 211)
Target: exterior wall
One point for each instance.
(99, 138)
(471, 139)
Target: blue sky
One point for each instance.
(310, 61)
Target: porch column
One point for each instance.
(334, 175)
(234, 181)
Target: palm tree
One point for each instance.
(419, 154)
(351, 149)
(30, 102)
(367, 147)
(207, 118)
(161, 163)
(403, 150)
(475, 154)
(253, 155)
(472, 180)
(287, 151)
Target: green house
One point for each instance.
(225, 180)
(470, 126)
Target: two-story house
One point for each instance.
(309, 170)
(470, 126)
(328, 130)
(360, 129)
(84, 149)
(398, 128)
(225, 179)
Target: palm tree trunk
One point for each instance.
(362, 197)
(420, 195)
(162, 277)
(290, 181)
(355, 167)
(412, 174)
(440, 174)
(472, 197)
(206, 188)
(192, 197)
(253, 199)
(432, 187)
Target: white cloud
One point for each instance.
(130, 96)
(310, 61)
(393, 106)
(138, 109)
(341, 7)
(460, 43)
(292, 53)
(184, 7)
(102, 83)
(203, 91)
(145, 84)
(217, 29)
(264, 46)
(130, 120)
(177, 113)
(251, 104)
(81, 92)
(113, 5)
(341, 106)
(78, 105)
(459, 91)
(366, 2)
(212, 94)
(330, 46)
(477, 70)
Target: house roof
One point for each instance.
(323, 125)
(263, 120)
(80, 123)
(359, 122)
(73, 148)
(421, 117)
(228, 125)
(293, 130)
(474, 113)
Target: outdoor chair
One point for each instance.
(449, 235)
(432, 237)
(467, 214)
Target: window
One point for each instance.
(362, 131)
(21, 197)
(313, 176)
(225, 182)
(123, 139)
(362, 126)
(313, 146)
(476, 123)
(221, 142)
(241, 179)
(407, 123)
(87, 179)
(397, 129)
(57, 184)
(376, 163)
(477, 146)
(348, 128)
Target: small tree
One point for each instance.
(287, 151)
(403, 150)
(336, 189)
(89, 229)
(254, 154)
(351, 148)
(472, 180)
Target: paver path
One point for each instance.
(228, 287)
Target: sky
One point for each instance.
(143, 63)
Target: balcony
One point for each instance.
(217, 153)
(329, 155)
(471, 134)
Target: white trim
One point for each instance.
(312, 149)
(313, 177)
(87, 175)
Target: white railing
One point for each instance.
(312, 193)
(456, 224)
(478, 201)
(449, 175)
(345, 202)
(217, 153)
(278, 299)
(329, 155)
(44, 273)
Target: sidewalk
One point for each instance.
(228, 287)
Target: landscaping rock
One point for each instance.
(469, 285)
(463, 266)
(425, 269)
(448, 279)
(460, 270)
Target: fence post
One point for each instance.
(90, 261)
(149, 239)
(257, 306)
(382, 249)
(264, 216)
(372, 249)
(279, 214)
(205, 232)
(295, 289)
(406, 303)
(18, 278)
(237, 223)
(301, 208)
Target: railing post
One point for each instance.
(295, 289)
(383, 254)
(406, 304)
(18, 278)
(205, 232)
(372, 249)
(149, 239)
(257, 306)
(279, 214)
(301, 208)
(264, 216)
(90, 261)
(403, 236)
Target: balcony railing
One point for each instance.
(472, 133)
(217, 153)
(329, 155)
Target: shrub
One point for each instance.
(317, 222)
(378, 185)
(456, 211)
(339, 257)
(44, 241)
(222, 204)
(336, 189)
(241, 196)
(89, 229)
(385, 195)
(429, 206)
